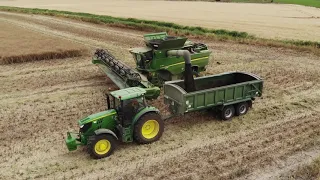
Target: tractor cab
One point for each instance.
(128, 103)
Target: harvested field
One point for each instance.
(21, 45)
(280, 21)
(40, 101)
(308, 171)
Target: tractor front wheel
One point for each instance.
(148, 128)
(100, 146)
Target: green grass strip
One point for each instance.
(156, 26)
(312, 3)
(138, 23)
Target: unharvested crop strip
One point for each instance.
(41, 56)
(147, 25)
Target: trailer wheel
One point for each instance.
(242, 108)
(100, 146)
(148, 128)
(227, 112)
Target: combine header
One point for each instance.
(122, 75)
(156, 63)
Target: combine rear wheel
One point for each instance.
(148, 128)
(100, 146)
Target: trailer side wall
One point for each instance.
(222, 96)
(217, 90)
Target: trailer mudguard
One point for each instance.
(143, 112)
(105, 131)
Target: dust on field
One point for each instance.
(22, 45)
(40, 101)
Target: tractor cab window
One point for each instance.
(130, 108)
(135, 103)
(114, 102)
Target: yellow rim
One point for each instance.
(102, 147)
(150, 129)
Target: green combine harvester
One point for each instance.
(129, 118)
(156, 63)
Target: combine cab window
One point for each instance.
(149, 55)
(143, 60)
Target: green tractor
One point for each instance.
(127, 118)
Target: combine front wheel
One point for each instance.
(149, 128)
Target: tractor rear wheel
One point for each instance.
(100, 146)
(148, 128)
(227, 112)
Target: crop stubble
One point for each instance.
(41, 100)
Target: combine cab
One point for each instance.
(154, 63)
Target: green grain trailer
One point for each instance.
(231, 93)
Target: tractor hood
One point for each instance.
(97, 116)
